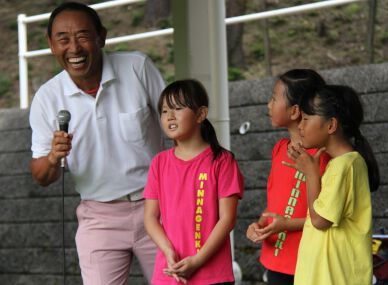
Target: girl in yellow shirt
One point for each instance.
(336, 243)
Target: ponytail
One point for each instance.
(209, 135)
(362, 145)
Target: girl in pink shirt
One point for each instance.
(191, 193)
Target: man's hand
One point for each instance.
(60, 147)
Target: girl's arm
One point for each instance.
(157, 234)
(309, 165)
(227, 213)
(313, 185)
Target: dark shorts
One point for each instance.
(277, 278)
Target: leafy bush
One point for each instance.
(258, 49)
(137, 17)
(5, 83)
(235, 74)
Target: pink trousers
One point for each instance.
(108, 236)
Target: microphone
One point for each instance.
(63, 120)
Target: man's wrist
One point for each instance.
(52, 160)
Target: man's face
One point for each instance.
(77, 46)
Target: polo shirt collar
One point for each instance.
(108, 75)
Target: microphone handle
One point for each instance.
(62, 162)
(65, 128)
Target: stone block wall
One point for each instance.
(30, 216)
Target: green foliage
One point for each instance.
(5, 83)
(169, 78)
(332, 37)
(351, 10)
(170, 48)
(292, 32)
(384, 37)
(164, 23)
(277, 21)
(13, 25)
(43, 23)
(313, 14)
(258, 50)
(137, 17)
(57, 68)
(121, 47)
(157, 58)
(42, 42)
(235, 74)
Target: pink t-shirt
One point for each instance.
(188, 194)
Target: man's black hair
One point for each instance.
(75, 6)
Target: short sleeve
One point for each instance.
(151, 190)
(153, 81)
(334, 197)
(42, 129)
(230, 179)
(323, 161)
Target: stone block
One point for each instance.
(255, 173)
(364, 78)
(252, 204)
(250, 92)
(255, 146)
(15, 163)
(23, 186)
(256, 115)
(37, 210)
(374, 105)
(11, 119)
(37, 235)
(15, 140)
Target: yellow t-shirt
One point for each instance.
(341, 254)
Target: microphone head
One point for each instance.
(63, 119)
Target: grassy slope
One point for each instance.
(326, 39)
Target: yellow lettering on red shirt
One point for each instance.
(289, 211)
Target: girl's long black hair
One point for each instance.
(192, 94)
(343, 103)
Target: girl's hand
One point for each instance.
(279, 224)
(172, 258)
(252, 231)
(186, 267)
(170, 273)
(304, 162)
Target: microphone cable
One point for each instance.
(63, 118)
(63, 226)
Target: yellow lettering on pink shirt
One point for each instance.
(199, 210)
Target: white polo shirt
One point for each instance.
(115, 135)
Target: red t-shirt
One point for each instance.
(286, 195)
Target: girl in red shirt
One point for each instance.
(279, 228)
